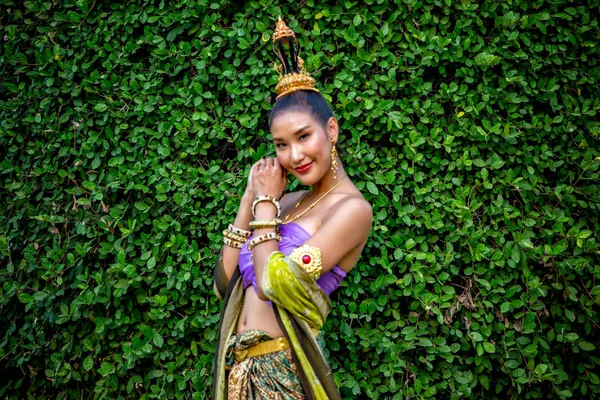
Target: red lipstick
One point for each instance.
(304, 168)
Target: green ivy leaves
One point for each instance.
(469, 126)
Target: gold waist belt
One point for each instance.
(260, 349)
(268, 347)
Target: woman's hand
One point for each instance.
(249, 192)
(267, 178)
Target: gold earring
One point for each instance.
(334, 155)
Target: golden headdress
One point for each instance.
(292, 75)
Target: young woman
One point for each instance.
(283, 258)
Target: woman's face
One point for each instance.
(303, 145)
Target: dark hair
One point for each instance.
(303, 100)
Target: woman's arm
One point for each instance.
(347, 227)
(261, 252)
(231, 255)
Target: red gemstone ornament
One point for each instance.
(306, 259)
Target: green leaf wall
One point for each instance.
(127, 132)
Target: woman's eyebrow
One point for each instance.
(295, 133)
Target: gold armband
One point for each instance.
(309, 258)
(265, 223)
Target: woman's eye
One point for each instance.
(304, 136)
(280, 145)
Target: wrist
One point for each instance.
(265, 210)
(276, 196)
(269, 200)
(247, 198)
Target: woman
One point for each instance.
(276, 279)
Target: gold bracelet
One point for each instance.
(265, 223)
(263, 238)
(228, 234)
(232, 243)
(239, 231)
(309, 258)
(268, 198)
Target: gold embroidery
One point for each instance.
(309, 258)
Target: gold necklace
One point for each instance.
(287, 217)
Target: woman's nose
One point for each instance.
(296, 155)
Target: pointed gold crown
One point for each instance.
(292, 75)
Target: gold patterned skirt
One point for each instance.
(268, 376)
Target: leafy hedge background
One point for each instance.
(128, 130)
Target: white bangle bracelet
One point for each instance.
(268, 198)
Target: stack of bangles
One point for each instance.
(236, 237)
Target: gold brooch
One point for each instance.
(309, 258)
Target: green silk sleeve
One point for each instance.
(289, 286)
(301, 306)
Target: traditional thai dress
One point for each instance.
(301, 306)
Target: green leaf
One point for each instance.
(372, 188)
(142, 206)
(570, 315)
(463, 377)
(88, 363)
(515, 254)
(158, 340)
(484, 381)
(486, 59)
(496, 162)
(100, 107)
(586, 346)
(25, 298)
(571, 336)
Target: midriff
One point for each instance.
(258, 314)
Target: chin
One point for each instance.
(308, 179)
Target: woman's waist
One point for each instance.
(260, 323)
(255, 342)
(259, 315)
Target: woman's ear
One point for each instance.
(333, 129)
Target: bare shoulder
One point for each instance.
(354, 207)
(354, 203)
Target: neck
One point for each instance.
(327, 182)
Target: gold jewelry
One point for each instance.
(239, 231)
(232, 243)
(292, 75)
(263, 238)
(287, 217)
(309, 258)
(260, 349)
(269, 199)
(265, 223)
(230, 235)
(334, 155)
